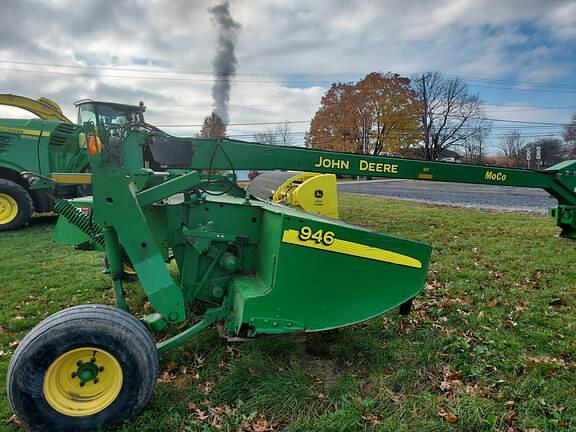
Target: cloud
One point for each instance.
(562, 20)
(289, 51)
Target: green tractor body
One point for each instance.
(31, 150)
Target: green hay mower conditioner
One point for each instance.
(258, 268)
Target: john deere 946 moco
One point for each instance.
(259, 268)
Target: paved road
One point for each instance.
(478, 196)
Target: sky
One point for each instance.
(518, 55)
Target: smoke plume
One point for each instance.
(224, 63)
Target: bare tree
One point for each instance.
(284, 133)
(569, 136)
(449, 113)
(267, 136)
(213, 127)
(280, 135)
(512, 146)
(474, 148)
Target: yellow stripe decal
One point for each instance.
(18, 131)
(425, 176)
(72, 178)
(354, 249)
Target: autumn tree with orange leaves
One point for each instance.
(213, 127)
(376, 115)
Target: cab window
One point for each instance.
(87, 113)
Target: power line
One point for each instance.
(236, 124)
(523, 108)
(274, 74)
(495, 80)
(542, 124)
(500, 84)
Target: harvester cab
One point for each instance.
(109, 116)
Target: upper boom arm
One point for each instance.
(559, 180)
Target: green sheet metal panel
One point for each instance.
(306, 283)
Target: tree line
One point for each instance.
(394, 115)
(428, 116)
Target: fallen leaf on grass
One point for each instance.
(165, 377)
(205, 387)
(15, 421)
(510, 418)
(260, 425)
(448, 416)
(493, 303)
(545, 360)
(372, 418)
(558, 302)
(201, 415)
(219, 410)
(453, 375)
(171, 366)
(450, 378)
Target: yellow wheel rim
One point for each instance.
(83, 381)
(8, 208)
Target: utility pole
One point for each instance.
(427, 153)
(364, 137)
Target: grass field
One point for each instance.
(489, 346)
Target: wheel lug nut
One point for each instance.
(96, 379)
(101, 368)
(82, 383)
(74, 374)
(93, 360)
(79, 363)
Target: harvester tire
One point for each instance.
(15, 205)
(82, 368)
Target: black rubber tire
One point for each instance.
(105, 327)
(24, 201)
